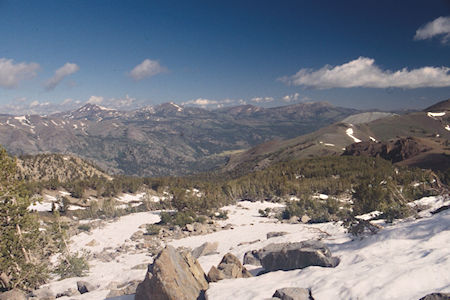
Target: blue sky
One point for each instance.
(56, 55)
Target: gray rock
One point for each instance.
(205, 249)
(437, 296)
(200, 228)
(252, 258)
(215, 274)
(290, 256)
(173, 276)
(13, 294)
(293, 294)
(276, 234)
(69, 293)
(305, 219)
(44, 294)
(85, 287)
(189, 227)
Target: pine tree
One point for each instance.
(21, 242)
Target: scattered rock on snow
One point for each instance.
(305, 219)
(43, 294)
(229, 267)
(293, 294)
(85, 287)
(276, 234)
(173, 275)
(205, 249)
(127, 289)
(290, 256)
(69, 293)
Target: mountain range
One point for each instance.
(167, 139)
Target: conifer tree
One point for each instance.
(21, 242)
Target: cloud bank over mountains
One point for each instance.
(363, 72)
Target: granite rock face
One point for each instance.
(173, 276)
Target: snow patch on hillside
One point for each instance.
(349, 132)
(436, 114)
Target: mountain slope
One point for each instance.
(64, 168)
(432, 128)
(163, 140)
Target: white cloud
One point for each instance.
(201, 102)
(291, 98)
(262, 99)
(363, 72)
(437, 27)
(95, 100)
(60, 74)
(120, 103)
(209, 103)
(147, 68)
(12, 73)
(34, 103)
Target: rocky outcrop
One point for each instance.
(290, 256)
(229, 267)
(14, 294)
(293, 294)
(173, 276)
(394, 151)
(205, 249)
(437, 296)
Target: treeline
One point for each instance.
(363, 178)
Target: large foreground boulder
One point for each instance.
(229, 267)
(290, 256)
(173, 276)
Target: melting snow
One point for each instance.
(126, 198)
(405, 260)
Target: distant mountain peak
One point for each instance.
(94, 107)
(169, 107)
